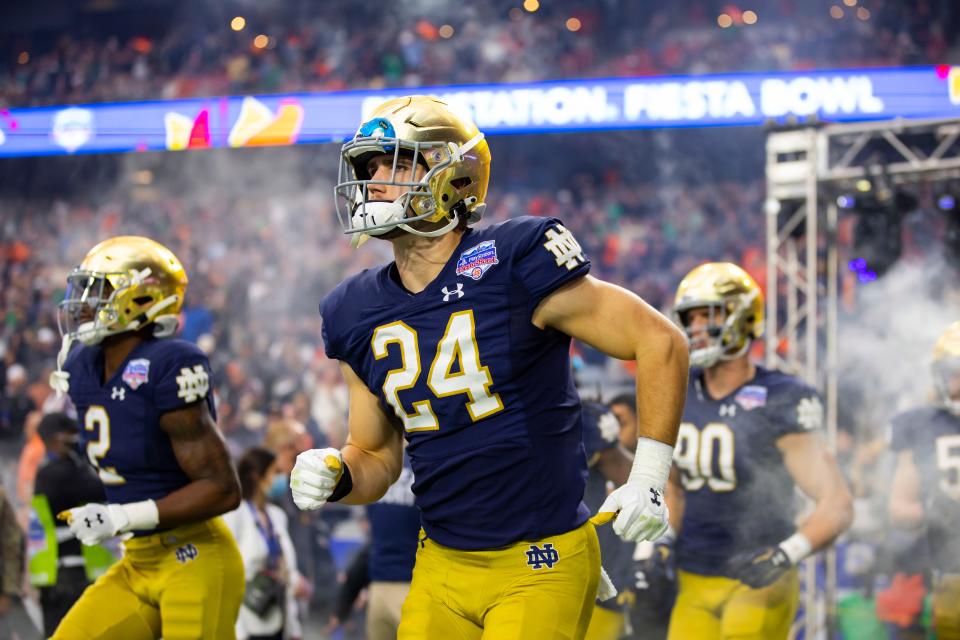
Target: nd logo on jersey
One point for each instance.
(537, 557)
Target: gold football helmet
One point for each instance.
(735, 304)
(448, 150)
(946, 368)
(123, 284)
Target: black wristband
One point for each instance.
(344, 485)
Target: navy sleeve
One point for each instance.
(601, 430)
(183, 377)
(901, 432)
(796, 408)
(333, 308)
(547, 256)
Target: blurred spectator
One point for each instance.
(269, 610)
(13, 616)
(65, 480)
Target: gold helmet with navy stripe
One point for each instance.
(946, 367)
(452, 162)
(123, 284)
(735, 305)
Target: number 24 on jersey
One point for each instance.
(456, 351)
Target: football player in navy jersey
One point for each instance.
(149, 427)
(607, 464)
(461, 345)
(748, 437)
(394, 531)
(926, 484)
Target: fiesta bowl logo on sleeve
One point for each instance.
(72, 128)
(475, 262)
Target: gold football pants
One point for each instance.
(946, 607)
(182, 584)
(715, 608)
(532, 590)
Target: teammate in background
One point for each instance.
(748, 437)
(149, 426)
(394, 529)
(608, 464)
(462, 345)
(926, 484)
(624, 407)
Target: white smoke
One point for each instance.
(885, 344)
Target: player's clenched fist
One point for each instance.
(641, 513)
(638, 509)
(315, 476)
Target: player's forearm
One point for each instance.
(906, 514)
(200, 500)
(371, 473)
(831, 517)
(662, 369)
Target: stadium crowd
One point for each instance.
(192, 51)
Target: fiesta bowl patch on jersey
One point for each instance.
(476, 261)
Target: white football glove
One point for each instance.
(314, 477)
(638, 509)
(93, 523)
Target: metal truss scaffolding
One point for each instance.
(806, 168)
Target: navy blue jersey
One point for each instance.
(932, 435)
(739, 494)
(486, 398)
(394, 530)
(121, 432)
(601, 432)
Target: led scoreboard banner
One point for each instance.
(568, 105)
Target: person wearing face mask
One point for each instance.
(64, 480)
(269, 609)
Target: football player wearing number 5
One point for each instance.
(926, 484)
(461, 346)
(149, 427)
(748, 437)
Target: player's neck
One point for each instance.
(116, 349)
(725, 376)
(420, 260)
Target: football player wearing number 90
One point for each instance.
(461, 346)
(926, 485)
(748, 436)
(149, 427)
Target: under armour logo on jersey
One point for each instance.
(448, 293)
(728, 410)
(564, 247)
(194, 383)
(186, 553)
(117, 393)
(655, 496)
(537, 557)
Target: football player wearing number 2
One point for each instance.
(461, 346)
(748, 437)
(149, 427)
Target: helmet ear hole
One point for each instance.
(461, 183)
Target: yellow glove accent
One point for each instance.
(65, 516)
(603, 517)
